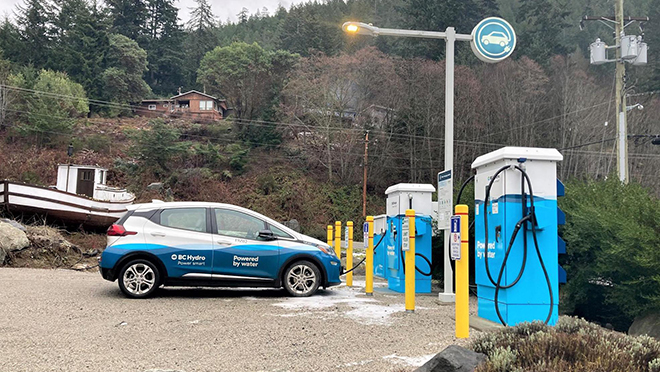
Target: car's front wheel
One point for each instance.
(302, 279)
(139, 278)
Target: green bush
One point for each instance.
(572, 345)
(612, 235)
(157, 147)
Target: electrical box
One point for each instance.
(404, 196)
(380, 228)
(389, 255)
(629, 47)
(529, 299)
(598, 52)
(642, 58)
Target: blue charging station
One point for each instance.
(525, 291)
(388, 262)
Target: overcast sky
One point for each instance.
(223, 9)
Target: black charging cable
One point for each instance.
(360, 263)
(528, 217)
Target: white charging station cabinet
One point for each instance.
(399, 199)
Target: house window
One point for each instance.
(205, 105)
(165, 105)
(152, 107)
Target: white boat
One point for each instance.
(81, 197)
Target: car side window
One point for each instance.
(238, 224)
(193, 219)
(279, 232)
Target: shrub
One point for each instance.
(572, 345)
(157, 147)
(612, 234)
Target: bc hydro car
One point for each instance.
(211, 244)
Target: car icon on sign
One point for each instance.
(495, 37)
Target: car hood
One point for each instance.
(309, 239)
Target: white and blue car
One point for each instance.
(212, 244)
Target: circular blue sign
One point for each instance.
(493, 39)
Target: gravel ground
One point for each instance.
(61, 320)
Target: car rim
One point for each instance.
(301, 279)
(139, 278)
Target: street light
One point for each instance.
(484, 50)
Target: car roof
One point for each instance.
(159, 204)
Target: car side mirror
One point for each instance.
(267, 235)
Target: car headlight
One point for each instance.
(323, 248)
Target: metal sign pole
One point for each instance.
(448, 294)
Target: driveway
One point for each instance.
(61, 320)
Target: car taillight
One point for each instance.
(119, 230)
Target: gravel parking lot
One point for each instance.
(60, 320)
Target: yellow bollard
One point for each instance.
(330, 236)
(338, 239)
(462, 277)
(410, 263)
(369, 285)
(349, 254)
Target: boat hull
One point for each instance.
(70, 209)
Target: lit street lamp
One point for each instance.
(487, 51)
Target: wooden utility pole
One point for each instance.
(621, 125)
(364, 179)
(620, 78)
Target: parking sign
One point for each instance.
(455, 238)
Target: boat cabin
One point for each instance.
(90, 181)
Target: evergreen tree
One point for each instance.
(541, 25)
(243, 16)
(33, 23)
(463, 15)
(200, 39)
(201, 17)
(163, 44)
(129, 17)
(82, 43)
(10, 40)
(127, 62)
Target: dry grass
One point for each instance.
(572, 345)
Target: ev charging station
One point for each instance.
(517, 246)
(388, 256)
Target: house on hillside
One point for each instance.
(191, 104)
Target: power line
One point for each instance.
(548, 119)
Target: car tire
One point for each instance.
(139, 278)
(485, 41)
(502, 44)
(302, 279)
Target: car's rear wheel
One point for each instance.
(139, 278)
(485, 41)
(302, 279)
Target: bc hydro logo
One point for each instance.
(493, 39)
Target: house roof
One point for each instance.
(194, 91)
(155, 100)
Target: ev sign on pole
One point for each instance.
(405, 235)
(455, 237)
(493, 40)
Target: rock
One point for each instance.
(292, 224)
(11, 239)
(14, 223)
(648, 324)
(453, 359)
(155, 186)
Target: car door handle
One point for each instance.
(160, 234)
(224, 244)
